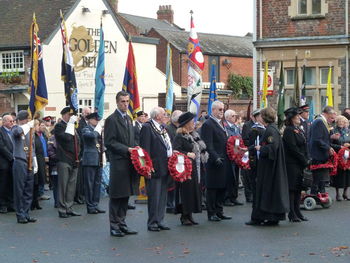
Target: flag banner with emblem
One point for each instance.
(195, 68)
(67, 71)
(312, 111)
(212, 92)
(169, 98)
(329, 88)
(249, 110)
(100, 77)
(37, 83)
(281, 99)
(303, 87)
(265, 84)
(130, 83)
(296, 95)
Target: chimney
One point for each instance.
(114, 5)
(165, 13)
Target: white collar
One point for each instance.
(157, 125)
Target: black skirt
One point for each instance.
(341, 179)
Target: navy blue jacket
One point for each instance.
(92, 146)
(319, 141)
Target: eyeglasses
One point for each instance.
(221, 109)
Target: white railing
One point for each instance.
(219, 85)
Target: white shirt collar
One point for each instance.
(157, 124)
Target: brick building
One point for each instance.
(317, 31)
(232, 54)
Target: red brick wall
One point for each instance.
(277, 23)
(129, 28)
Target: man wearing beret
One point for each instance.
(140, 119)
(68, 158)
(23, 175)
(92, 163)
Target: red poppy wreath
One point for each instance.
(331, 164)
(142, 162)
(235, 154)
(180, 167)
(344, 159)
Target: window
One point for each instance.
(324, 76)
(310, 76)
(84, 103)
(302, 7)
(290, 77)
(309, 7)
(11, 61)
(316, 7)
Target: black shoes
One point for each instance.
(3, 210)
(214, 218)
(153, 228)
(131, 207)
(128, 231)
(235, 202)
(72, 213)
(170, 210)
(31, 219)
(100, 211)
(253, 223)
(92, 212)
(22, 221)
(116, 233)
(96, 211)
(163, 227)
(62, 215)
(223, 217)
(229, 203)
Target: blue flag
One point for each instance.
(312, 111)
(37, 83)
(100, 77)
(169, 99)
(212, 92)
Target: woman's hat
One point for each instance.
(185, 118)
(291, 112)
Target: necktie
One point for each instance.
(126, 120)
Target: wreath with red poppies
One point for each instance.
(237, 155)
(331, 164)
(343, 163)
(180, 172)
(142, 162)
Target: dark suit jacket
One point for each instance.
(119, 136)
(319, 141)
(247, 126)
(137, 130)
(171, 129)
(82, 124)
(91, 153)
(66, 144)
(153, 143)
(6, 150)
(215, 138)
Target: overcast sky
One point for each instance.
(230, 17)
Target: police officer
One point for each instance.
(92, 163)
(23, 174)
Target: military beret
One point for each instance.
(65, 110)
(47, 118)
(304, 108)
(139, 113)
(93, 115)
(22, 115)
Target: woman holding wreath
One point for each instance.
(295, 148)
(188, 193)
(342, 178)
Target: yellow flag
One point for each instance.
(265, 84)
(329, 88)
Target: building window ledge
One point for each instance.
(308, 17)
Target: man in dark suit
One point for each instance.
(320, 147)
(23, 173)
(305, 123)
(92, 163)
(6, 161)
(215, 137)
(140, 119)
(79, 197)
(156, 141)
(123, 182)
(67, 155)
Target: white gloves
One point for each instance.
(70, 125)
(35, 165)
(98, 129)
(26, 127)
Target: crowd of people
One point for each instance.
(70, 159)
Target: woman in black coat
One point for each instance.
(295, 149)
(188, 193)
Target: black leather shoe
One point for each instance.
(128, 231)
(72, 213)
(153, 228)
(100, 211)
(3, 210)
(228, 203)
(237, 202)
(131, 207)
(63, 215)
(253, 223)
(271, 223)
(31, 219)
(303, 218)
(92, 212)
(10, 209)
(22, 221)
(79, 202)
(214, 218)
(117, 233)
(170, 210)
(223, 217)
(163, 227)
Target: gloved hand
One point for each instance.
(31, 124)
(219, 161)
(35, 165)
(98, 129)
(26, 127)
(73, 119)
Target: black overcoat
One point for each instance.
(119, 136)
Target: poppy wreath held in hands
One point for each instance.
(142, 162)
(180, 172)
(343, 162)
(331, 164)
(235, 154)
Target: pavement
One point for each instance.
(86, 239)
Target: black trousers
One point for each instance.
(92, 183)
(248, 184)
(319, 179)
(232, 184)
(215, 201)
(79, 190)
(294, 202)
(6, 188)
(117, 212)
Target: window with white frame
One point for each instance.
(308, 8)
(324, 76)
(289, 77)
(11, 61)
(310, 76)
(84, 103)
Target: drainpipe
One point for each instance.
(347, 53)
(255, 72)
